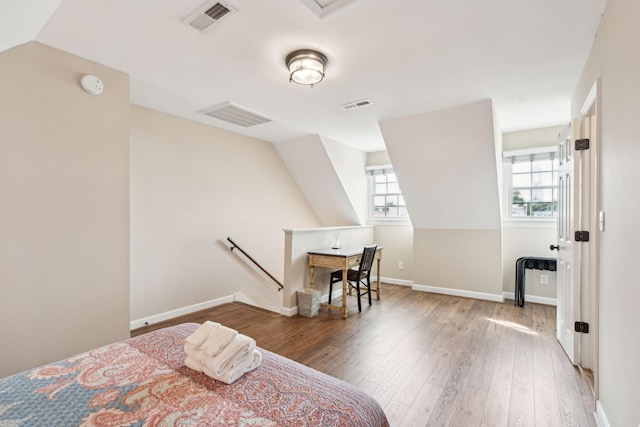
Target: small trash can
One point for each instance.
(308, 302)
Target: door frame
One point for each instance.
(591, 261)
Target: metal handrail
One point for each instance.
(280, 285)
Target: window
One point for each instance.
(386, 197)
(533, 181)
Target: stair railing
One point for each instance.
(235, 246)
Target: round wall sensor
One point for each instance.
(92, 84)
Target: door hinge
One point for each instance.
(582, 327)
(582, 144)
(582, 236)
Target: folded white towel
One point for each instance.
(248, 363)
(193, 364)
(218, 340)
(195, 353)
(202, 333)
(238, 348)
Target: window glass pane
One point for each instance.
(520, 167)
(533, 184)
(521, 180)
(393, 187)
(520, 210)
(392, 201)
(545, 195)
(541, 165)
(521, 196)
(543, 209)
(378, 201)
(542, 179)
(386, 198)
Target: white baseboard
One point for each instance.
(601, 418)
(458, 293)
(289, 311)
(392, 281)
(145, 321)
(532, 298)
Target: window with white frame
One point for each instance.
(386, 199)
(532, 183)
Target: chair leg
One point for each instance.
(369, 289)
(330, 290)
(358, 294)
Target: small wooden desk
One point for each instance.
(343, 259)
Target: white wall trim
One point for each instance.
(289, 312)
(458, 293)
(392, 281)
(531, 298)
(601, 418)
(145, 321)
(530, 223)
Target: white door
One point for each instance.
(567, 263)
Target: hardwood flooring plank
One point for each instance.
(422, 407)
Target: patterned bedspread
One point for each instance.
(143, 382)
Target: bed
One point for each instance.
(143, 382)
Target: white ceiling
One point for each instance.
(406, 56)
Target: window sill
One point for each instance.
(530, 223)
(389, 221)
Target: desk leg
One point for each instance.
(311, 272)
(378, 289)
(344, 293)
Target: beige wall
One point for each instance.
(192, 186)
(529, 238)
(615, 60)
(378, 158)
(458, 262)
(64, 210)
(397, 241)
(299, 242)
(531, 138)
(530, 241)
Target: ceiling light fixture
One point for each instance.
(306, 67)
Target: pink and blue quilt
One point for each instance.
(144, 382)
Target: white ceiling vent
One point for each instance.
(233, 114)
(208, 14)
(356, 104)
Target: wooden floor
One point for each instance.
(432, 360)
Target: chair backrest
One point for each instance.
(366, 260)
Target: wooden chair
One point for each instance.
(361, 276)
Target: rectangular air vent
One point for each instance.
(208, 14)
(356, 104)
(233, 114)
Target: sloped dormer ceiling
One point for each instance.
(446, 164)
(322, 169)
